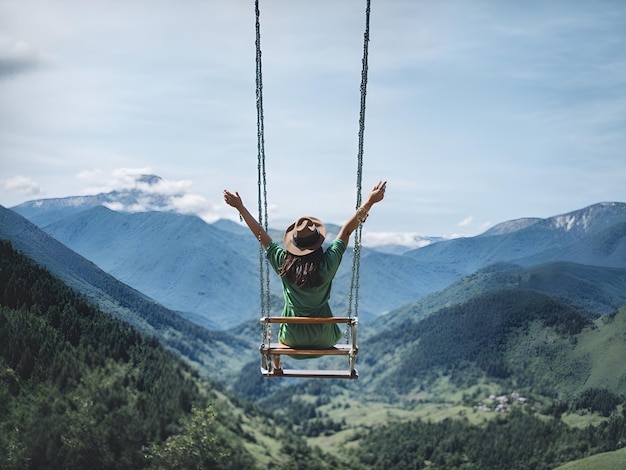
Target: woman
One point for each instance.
(306, 270)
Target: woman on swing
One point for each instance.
(306, 270)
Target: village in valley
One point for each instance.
(501, 403)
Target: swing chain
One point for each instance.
(262, 180)
(264, 271)
(353, 298)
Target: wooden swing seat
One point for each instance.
(278, 349)
(308, 320)
(312, 374)
(267, 351)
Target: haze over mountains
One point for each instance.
(209, 350)
(100, 374)
(536, 306)
(194, 267)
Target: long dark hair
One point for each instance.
(303, 271)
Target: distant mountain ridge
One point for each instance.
(186, 264)
(210, 350)
(497, 306)
(600, 290)
(590, 219)
(190, 266)
(194, 267)
(575, 237)
(476, 331)
(497, 342)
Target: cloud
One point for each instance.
(190, 203)
(469, 221)
(409, 240)
(484, 227)
(17, 57)
(139, 190)
(466, 221)
(120, 179)
(176, 189)
(20, 185)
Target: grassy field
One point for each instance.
(362, 415)
(582, 419)
(607, 461)
(606, 348)
(345, 416)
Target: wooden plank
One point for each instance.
(314, 374)
(338, 350)
(307, 320)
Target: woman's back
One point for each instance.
(308, 301)
(301, 238)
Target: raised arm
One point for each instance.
(376, 195)
(234, 200)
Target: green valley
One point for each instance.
(511, 378)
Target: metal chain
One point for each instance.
(353, 300)
(264, 273)
(353, 303)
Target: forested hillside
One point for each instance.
(81, 389)
(593, 288)
(519, 440)
(424, 433)
(508, 379)
(197, 345)
(520, 337)
(190, 266)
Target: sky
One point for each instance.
(478, 111)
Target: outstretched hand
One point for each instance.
(233, 200)
(378, 192)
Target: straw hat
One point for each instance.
(304, 236)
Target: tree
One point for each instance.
(196, 446)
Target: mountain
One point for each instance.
(603, 248)
(521, 338)
(594, 218)
(596, 289)
(595, 235)
(537, 337)
(190, 266)
(81, 389)
(478, 384)
(182, 262)
(138, 199)
(210, 351)
(397, 244)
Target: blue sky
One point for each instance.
(478, 111)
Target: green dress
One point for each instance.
(310, 302)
